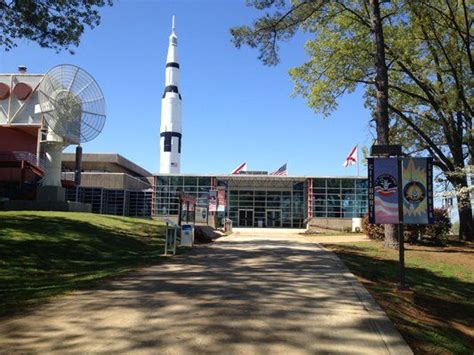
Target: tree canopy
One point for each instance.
(429, 60)
(51, 23)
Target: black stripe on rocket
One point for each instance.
(168, 139)
(171, 88)
(173, 65)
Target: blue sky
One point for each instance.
(234, 108)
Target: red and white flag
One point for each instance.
(351, 158)
(241, 167)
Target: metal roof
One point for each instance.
(108, 158)
(265, 177)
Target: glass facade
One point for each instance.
(260, 207)
(112, 201)
(267, 201)
(250, 201)
(339, 197)
(168, 188)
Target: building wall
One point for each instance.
(113, 201)
(168, 188)
(331, 223)
(109, 181)
(12, 139)
(267, 201)
(266, 207)
(16, 110)
(100, 162)
(339, 197)
(13, 175)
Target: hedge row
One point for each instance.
(436, 232)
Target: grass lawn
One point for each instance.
(43, 254)
(436, 316)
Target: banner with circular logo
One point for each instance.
(400, 190)
(417, 191)
(383, 191)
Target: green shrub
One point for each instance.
(441, 227)
(436, 232)
(373, 231)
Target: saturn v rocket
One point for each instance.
(170, 129)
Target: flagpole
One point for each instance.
(358, 161)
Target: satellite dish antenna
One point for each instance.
(73, 108)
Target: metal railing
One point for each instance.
(23, 155)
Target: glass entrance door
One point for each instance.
(245, 218)
(273, 218)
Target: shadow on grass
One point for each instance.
(438, 313)
(45, 256)
(442, 250)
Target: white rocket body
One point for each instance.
(170, 129)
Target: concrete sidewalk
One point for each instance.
(244, 294)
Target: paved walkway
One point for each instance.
(279, 294)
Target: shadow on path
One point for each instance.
(261, 295)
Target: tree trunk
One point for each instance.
(381, 110)
(391, 236)
(466, 220)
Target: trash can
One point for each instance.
(228, 225)
(187, 235)
(356, 225)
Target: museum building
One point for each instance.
(115, 185)
(267, 201)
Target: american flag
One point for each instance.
(283, 171)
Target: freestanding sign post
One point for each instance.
(400, 192)
(401, 237)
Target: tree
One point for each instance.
(322, 17)
(432, 94)
(341, 56)
(50, 23)
(381, 97)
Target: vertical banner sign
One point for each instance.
(383, 191)
(201, 214)
(212, 197)
(221, 200)
(417, 189)
(370, 175)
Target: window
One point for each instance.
(162, 180)
(167, 145)
(176, 181)
(190, 181)
(347, 183)
(204, 181)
